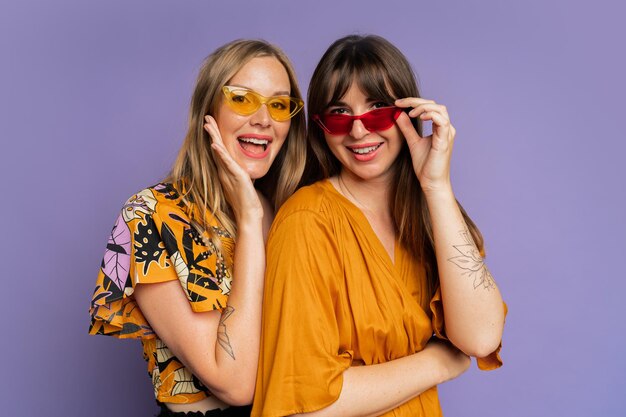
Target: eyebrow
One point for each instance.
(276, 93)
(337, 104)
(368, 100)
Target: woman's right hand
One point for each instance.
(452, 362)
(237, 185)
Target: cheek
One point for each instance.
(395, 138)
(335, 145)
(283, 130)
(229, 126)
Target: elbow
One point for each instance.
(477, 341)
(236, 395)
(238, 399)
(481, 347)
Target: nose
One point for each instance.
(261, 117)
(358, 130)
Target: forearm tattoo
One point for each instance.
(222, 336)
(472, 263)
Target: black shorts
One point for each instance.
(227, 412)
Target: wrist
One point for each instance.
(249, 221)
(442, 192)
(249, 218)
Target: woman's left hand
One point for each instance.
(430, 154)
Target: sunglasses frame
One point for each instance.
(365, 119)
(228, 91)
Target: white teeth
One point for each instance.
(363, 151)
(255, 141)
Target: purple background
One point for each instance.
(93, 105)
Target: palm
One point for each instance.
(236, 182)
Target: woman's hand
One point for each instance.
(431, 154)
(236, 182)
(451, 361)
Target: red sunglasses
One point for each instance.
(374, 120)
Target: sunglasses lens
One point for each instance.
(281, 108)
(374, 120)
(243, 102)
(380, 119)
(336, 124)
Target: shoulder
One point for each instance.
(158, 199)
(311, 211)
(315, 199)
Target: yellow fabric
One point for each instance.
(153, 241)
(334, 299)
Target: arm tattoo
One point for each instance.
(470, 260)
(222, 336)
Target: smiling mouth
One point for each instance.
(365, 150)
(253, 145)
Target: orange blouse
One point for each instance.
(153, 241)
(334, 299)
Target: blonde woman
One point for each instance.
(184, 265)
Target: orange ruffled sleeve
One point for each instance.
(301, 361)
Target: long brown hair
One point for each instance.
(384, 74)
(195, 173)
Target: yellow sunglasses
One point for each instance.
(245, 102)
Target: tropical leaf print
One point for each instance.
(169, 240)
(116, 261)
(163, 354)
(99, 296)
(225, 285)
(148, 245)
(130, 328)
(184, 382)
(181, 268)
(140, 204)
(156, 380)
(168, 191)
(155, 227)
(224, 278)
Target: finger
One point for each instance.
(437, 108)
(211, 127)
(437, 118)
(412, 102)
(406, 127)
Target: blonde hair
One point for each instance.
(383, 73)
(194, 171)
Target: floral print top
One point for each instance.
(154, 241)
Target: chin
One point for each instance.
(369, 173)
(255, 171)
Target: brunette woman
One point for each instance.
(376, 290)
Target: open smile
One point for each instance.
(365, 152)
(254, 146)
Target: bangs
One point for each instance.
(369, 73)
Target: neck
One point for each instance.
(368, 195)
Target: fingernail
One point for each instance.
(207, 118)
